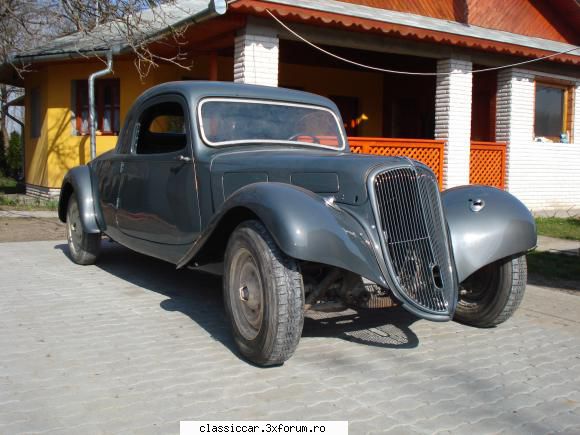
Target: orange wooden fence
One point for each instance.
(427, 151)
(487, 163)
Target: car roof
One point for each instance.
(194, 90)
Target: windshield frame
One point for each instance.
(268, 141)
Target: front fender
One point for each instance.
(78, 181)
(303, 225)
(502, 228)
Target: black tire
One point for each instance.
(492, 294)
(263, 296)
(83, 247)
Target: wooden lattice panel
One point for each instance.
(429, 156)
(429, 152)
(487, 164)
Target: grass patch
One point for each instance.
(8, 185)
(12, 198)
(568, 228)
(19, 202)
(7, 201)
(552, 265)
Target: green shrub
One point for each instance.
(14, 155)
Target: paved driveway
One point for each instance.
(133, 346)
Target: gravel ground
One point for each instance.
(20, 229)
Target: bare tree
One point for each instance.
(132, 24)
(22, 25)
(89, 28)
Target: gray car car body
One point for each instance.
(319, 204)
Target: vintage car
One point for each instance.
(261, 180)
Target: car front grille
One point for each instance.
(414, 236)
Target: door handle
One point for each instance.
(183, 158)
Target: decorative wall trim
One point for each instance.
(42, 192)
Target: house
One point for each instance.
(515, 127)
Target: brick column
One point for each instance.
(515, 115)
(576, 115)
(453, 118)
(256, 56)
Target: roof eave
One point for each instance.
(299, 13)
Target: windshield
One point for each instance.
(227, 121)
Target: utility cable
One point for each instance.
(410, 73)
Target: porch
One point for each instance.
(487, 160)
(469, 128)
(421, 117)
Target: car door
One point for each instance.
(109, 175)
(157, 200)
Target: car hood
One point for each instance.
(342, 175)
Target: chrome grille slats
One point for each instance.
(434, 216)
(408, 207)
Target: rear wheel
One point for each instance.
(263, 295)
(492, 294)
(83, 247)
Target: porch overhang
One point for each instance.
(331, 13)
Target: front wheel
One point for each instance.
(263, 296)
(492, 294)
(83, 247)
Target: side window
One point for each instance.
(36, 113)
(161, 129)
(107, 106)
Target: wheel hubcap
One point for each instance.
(244, 294)
(247, 304)
(74, 227)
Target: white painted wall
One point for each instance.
(545, 176)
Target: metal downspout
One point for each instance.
(215, 7)
(92, 121)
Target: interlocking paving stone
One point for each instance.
(133, 346)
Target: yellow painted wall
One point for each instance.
(65, 150)
(366, 86)
(49, 157)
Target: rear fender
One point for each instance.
(303, 225)
(78, 181)
(502, 228)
